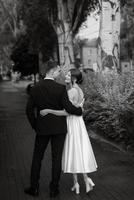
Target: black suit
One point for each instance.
(48, 94)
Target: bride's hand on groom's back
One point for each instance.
(44, 112)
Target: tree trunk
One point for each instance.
(65, 38)
(109, 36)
(66, 53)
(41, 70)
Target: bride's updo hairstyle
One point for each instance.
(76, 74)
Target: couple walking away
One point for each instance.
(56, 117)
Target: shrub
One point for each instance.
(109, 105)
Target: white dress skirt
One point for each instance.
(78, 156)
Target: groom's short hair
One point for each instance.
(51, 64)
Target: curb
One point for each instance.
(120, 147)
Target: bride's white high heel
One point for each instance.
(89, 185)
(76, 188)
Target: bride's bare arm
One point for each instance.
(54, 112)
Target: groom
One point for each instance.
(50, 128)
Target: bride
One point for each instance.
(78, 156)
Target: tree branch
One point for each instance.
(78, 15)
(10, 15)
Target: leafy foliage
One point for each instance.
(24, 61)
(9, 26)
(41, 33)
(127, 30)
(109, 106)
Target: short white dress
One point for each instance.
(78, 156)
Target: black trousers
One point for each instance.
(41, 142)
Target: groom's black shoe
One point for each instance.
(54, 193)
(32, 191)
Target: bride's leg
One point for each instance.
(76, 185)
(88, 182)
(75, 178)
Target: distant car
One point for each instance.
(28, 88)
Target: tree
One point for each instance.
(9, 16)
(127, 31)
(10, 28)
(109, 43)
(24, 61)
(65, 16)
(109, 34)
(41, 33)
(70, 15)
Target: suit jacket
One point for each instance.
(49, 94)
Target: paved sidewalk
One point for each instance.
(114, 179)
